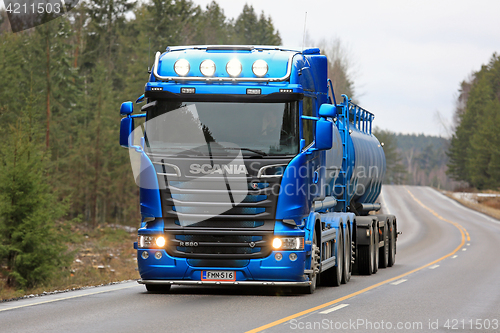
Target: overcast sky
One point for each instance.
(409, 56)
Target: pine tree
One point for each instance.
(251, 30)
(395, 171)
(472, 155)
(30, 245)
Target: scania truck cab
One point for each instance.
(250, 173)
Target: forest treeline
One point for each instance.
(72, 74)
(475, 146)
(61, 86)
(471, 158)
(416, 159)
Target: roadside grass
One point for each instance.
(487, 205)
(101, 256)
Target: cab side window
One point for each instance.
(308, 104)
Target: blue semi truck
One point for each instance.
(251, 173)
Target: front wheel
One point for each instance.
(315, 256)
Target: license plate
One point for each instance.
(218, 275)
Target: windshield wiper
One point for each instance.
(256, 151)
(184, 150)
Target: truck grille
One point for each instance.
(201, 223)
(220, 243)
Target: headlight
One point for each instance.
(233, 68)
(207, 68)
(160, 241)
(259, 68)
(181, 67)
(277, 243)
(288, 243)
(147, 242)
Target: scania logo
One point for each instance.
(230, 169)
(188, 244)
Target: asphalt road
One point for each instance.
(446, 279)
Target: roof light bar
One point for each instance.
(222, 79)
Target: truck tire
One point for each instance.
(365, 257)
(332, 277)
(346, 274)
(314, 259)
(384, 251)
(158, 288)
(375, 253)
(392, 245)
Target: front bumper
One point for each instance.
(227, 283)
(264, 271)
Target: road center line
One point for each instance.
(335, 308)
(454, 256)
(65, 298)
(338, 300)
(399, 282)
(433, 267)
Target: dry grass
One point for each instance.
(487, 205)
(102, 256)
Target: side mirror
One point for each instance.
(140, 99)
(126, 108)
(126, 128)
(327, 110)
(324, 134)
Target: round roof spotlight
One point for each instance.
(181, 67)
(233, 68)
(207, 67)
(259, 68)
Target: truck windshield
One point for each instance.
(219, 128)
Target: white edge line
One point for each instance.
(335, 308)
(65, 298)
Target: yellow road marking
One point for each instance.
(463, 232)
(65, 298)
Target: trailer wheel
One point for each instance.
(392, 245)
(346, 274)
(375, 253)
(158, 288)
(384, 251)
(365, 257)
(332, 277)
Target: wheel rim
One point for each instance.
(347, 258)
(314, 264)
(340, 256)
